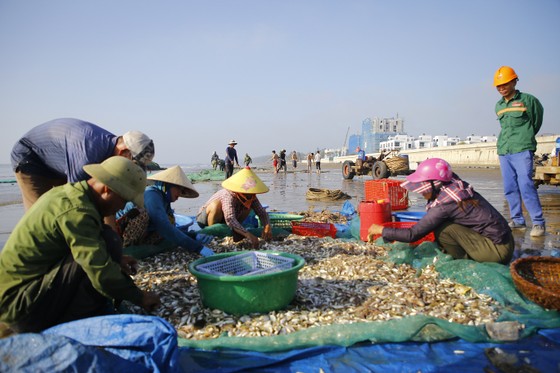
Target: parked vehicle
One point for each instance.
(381, 167)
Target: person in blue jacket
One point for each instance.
(156, 222)
(361, 157)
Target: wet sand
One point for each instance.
(288, 191)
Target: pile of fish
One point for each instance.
(342, 282)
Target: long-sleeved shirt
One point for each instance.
(159, 210)
(64, 221)
(483, 219)
(520, 120)
(232, 209)
(231, 155)
(61, 147)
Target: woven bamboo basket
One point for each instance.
(538, 279)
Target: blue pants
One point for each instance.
(517, 173)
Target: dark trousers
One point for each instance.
(229, 169)
(70, 296)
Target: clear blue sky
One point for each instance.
(291, 74)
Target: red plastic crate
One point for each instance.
(307, 228)
(387, 189)
(407, 224)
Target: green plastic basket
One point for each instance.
(241, 295)
(249, 264)
(280, 220)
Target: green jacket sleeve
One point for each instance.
(83, 236)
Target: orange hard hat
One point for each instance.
(505, 74)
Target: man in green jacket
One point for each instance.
(61, 263)
(521, 116)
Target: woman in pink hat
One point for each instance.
(465, 224)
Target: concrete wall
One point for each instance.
(480, 154)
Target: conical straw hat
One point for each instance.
(175, 175)
(245, 181)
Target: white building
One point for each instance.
(472, 139)
(329, 154)
(398, 142)
(445, 140)
(489, 138)
(423, 141)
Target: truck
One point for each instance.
(546, 170)
(381, 167)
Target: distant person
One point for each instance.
(283, 161)
(232, 205)
(275, 159)
(521, 117)
(294, 159)
(155, 223)
(215, 160)
(231, 158)
(466, 226)
(310, 160)
(318, 162)
(361, 157)
(61, 263)
(248, 160)
(54, 153)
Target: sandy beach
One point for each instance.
(288, 194)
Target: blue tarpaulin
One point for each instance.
(540, 352)
(132, 343)
(116, 343)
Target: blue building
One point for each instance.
(353, 142)
(375, 131)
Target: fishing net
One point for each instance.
(491, 279)
(397, 164)
(316, 194)
(207, 175)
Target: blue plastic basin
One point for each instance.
(409, 215)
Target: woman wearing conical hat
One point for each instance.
(232, 205)
(156, 222)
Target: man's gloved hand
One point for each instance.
(206, 251)
(204, 238)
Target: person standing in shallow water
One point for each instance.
(283, 161)
(521, 116)
(318, 162)
(310, 160)
(215, 160)
(275, 159)
(248, 160)
(294, 159)
(231, 158)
